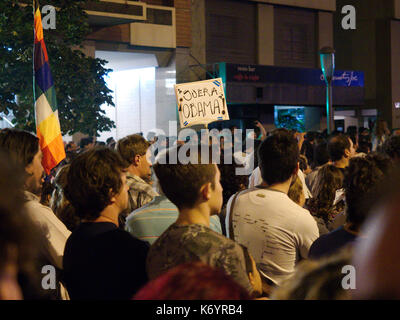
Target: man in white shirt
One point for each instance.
(256, 179)
(277, 231)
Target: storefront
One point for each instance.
(280, 96)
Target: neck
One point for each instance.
(342, 163)
(133, 170)
(282, 187)
(197, 215)
(109, 214)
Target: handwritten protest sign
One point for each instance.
(201, 102)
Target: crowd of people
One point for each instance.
(115, 225)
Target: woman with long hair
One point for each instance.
(323, 207)
(380, 135)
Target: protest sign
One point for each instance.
(201, 102)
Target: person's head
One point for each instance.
(230, 181)
(352, 130)
(86, 143)
(134, 150)
(392, 148)
(329, 179)
(110, 141)
(254, 275)
(317, 280)
(278, 157)
(321, 154)
(96, 179)
(360, 183)
(363, 131)
(23, 149)
(71, 147)
(19, 236)
(340, 147)
(364, 145)
(193, 281)
(380, 128)
(47, 190)
(296, 193)
(62, 208)
(303, 164)
(190, 185)
(377, 255)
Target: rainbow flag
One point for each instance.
(47, 123)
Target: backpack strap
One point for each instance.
(231, 235)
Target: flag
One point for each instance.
(47, 123)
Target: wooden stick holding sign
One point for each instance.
(201, 102)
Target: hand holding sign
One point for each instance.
(201, 102)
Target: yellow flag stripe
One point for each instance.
(49, 129)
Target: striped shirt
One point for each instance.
(150, 221)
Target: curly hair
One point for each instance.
(392, 147)
(193, 281)
(382, 161)
(90, 178)
(62, 208)
(230, 181)
(329, 179)
(360, 183)
(296, 190)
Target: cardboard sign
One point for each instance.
(201, 102)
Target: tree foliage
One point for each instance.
(79, 80)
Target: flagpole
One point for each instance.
(33, 59)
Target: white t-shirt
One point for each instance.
(54, 230)
(277, 231)
(256, 179)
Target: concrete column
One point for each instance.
(395, 66)
(265, 36)
(312, 118)
(325, 31)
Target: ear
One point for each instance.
(29, 168)
(136, 160)
(205, 191)
(346, 153)
(113, 199)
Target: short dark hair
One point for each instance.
(131, 146)
(85, 141)
(360, 184)
(278, 156)
(321, 154)
(21, 146)
(90, 177)
(392, 147)
(180, 182)
(337, 146)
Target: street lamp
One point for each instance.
(327, 55)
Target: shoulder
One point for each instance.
(125, 240)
